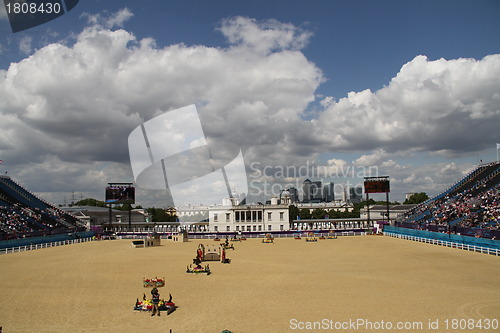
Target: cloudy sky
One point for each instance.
(328, 90)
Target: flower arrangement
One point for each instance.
(155, 282)
(198, 269)
(147, 305)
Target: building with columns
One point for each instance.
(246, 218)
(260, 218)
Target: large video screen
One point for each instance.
(120, 194)
(377, 186)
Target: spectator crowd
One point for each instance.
(477, 206)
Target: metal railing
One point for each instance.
(44, 245)
(263, 235)
(455, 245)
(252, 235)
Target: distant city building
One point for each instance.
(344, 194)
(317, 191)
(328, 192)
(306, 191)
(356, 194)
(294, 194)
(312, 191)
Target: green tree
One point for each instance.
(160, 215)
(90, 202)
(351, 214)
(305, 214)
(319, 213)
(293, 212)
(124, 207)
(416, 198)
(334, 214)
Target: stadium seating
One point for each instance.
(469, 207)
(23, 214)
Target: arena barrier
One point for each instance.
(222, 235)
(444, 236)
(50, 238)
(278, 235)
(44, 245)
(440, 242)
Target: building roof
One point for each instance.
(401, 208)
(94, 209)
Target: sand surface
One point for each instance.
(281, 287)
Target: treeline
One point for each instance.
(319, 213)
(160, 215)
(416, 198)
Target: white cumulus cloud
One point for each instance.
(450, 105)
(76, 104)
(264, 36)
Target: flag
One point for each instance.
(498, 146)
(1, 161)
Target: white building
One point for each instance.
(380, 211)
(262, 218)
(258, 218)
(192, 213)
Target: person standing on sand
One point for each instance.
(155, 295)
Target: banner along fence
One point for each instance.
(482, 245)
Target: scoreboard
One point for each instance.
(120, 193)
(377, 186)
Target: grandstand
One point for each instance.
(24, 215)
(470, 207)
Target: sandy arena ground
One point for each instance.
(92, 287)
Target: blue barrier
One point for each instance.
(461, 239)
(44, 239)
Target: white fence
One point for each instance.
(263, 235)
(44, 245)
(455, 245)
